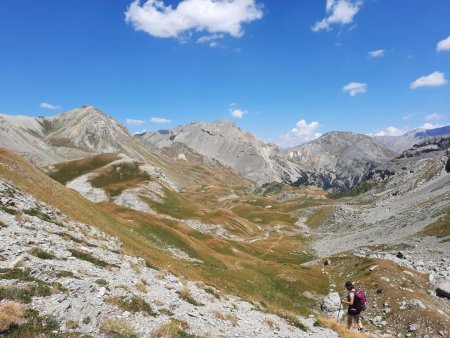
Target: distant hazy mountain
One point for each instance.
(407, 140)
(336, 160)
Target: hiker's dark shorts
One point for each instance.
(353, 312)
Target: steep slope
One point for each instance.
(338, 160)
(407, 140)
(228, 144)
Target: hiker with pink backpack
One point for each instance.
(356, 300)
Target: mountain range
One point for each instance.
(335, 161)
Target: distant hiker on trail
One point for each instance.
(355, 306)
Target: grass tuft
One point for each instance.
(10, 314)
(187, 296)
(133, 304)
(39, 253)
(341, 329)
(173, 329)
(118, 328)
(89, 258)
(39, 214)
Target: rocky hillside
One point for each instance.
(73, 278)
(338, 160)
(231, 146)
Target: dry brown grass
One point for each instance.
(113, 327)
(10, 314)
(173, 329)
(140, 286)
(341, 329)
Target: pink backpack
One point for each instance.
(360, 300)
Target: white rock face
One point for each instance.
(84, 187)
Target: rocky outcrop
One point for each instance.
(332, 305)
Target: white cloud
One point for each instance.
(430, 126)
(408, 116)
(301, 133)
(160, 120)
(46, 105)
(210, 38)
(355, 88)
(133, 122)
(238, 113)
(216, 17)
(443, 45)
(433, 80)
(377, 53)
(338, 12)
(432, 117)
(389, 131)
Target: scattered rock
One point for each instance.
(443, 290)
(327, 262)
(400, 255)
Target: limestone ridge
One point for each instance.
(407, 140)
(232, 147)
(337, 160)
(75, 134)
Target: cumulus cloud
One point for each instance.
(338, 12)
(389, 131)
(159, 120)
(133, 122)
(432, 117)
(433, 80)
(443, 45)
(355, 88)
(377, 53)
(238, 113)
(45, 105)
(215, 17)
(301, 133)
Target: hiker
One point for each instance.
(353, 308)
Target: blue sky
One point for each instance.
(276, 65)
